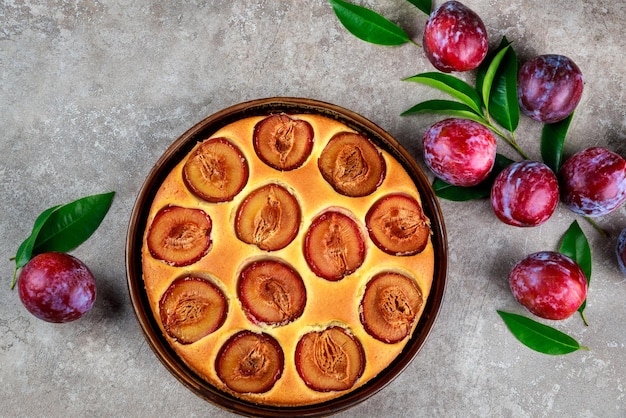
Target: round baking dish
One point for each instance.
(138, 222)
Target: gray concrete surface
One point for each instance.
(92, 92)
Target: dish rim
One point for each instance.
(138, 222)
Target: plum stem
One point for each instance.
(582, 315)
(597, 227)
(510, 140)
(415, 43)
(14, 274)
(14, 281)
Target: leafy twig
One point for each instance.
(596, 226)
(62, 228)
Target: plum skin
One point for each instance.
(455, 38)
(593, 181)
(549, 284)
(525, 194)
(620, 251)
(459, 151)
(549, 87)
(57, 287)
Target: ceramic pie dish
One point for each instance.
(286, 257)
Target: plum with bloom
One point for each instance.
(455, 38)
(549, 284)
(549, 87)
(57, 287)
(525, 194)
(593, 181)
(460, 151)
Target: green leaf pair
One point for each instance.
(370, 26)
(62, 228)
(468, 99)
(494, 97)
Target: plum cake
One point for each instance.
(287, 259)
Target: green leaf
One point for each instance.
(424, 5)
(490, 74)
(368, 25)
(480, 191)
(453, 86)
(73, 223)
(552, 142)
(575, 245)
(25, 250)
(484, 66)
(503, 103)
(458, 193)
(446, 107)
(540, 337)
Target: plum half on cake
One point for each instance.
(287, 259)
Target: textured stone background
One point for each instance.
(93, 92)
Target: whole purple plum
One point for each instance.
(455, 38)
(593, 181)
(549, 284)
(549, 87)
(620, 251)
(525, 194)
(459, 151)
(57, 287)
